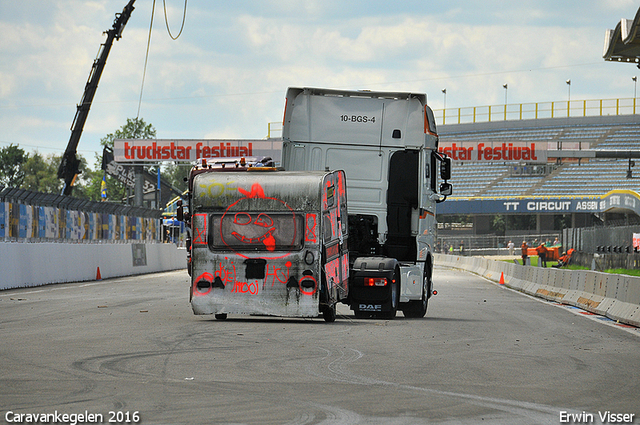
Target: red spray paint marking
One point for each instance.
(256, 191)
(311, 232)
(263, 220)
(200, 235)
(228, 277)
(269, 241)
(276, 274)
(246, 287)
(206, 276)
(309, 291)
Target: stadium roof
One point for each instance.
(622, 44)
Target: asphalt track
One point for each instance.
(484, 354)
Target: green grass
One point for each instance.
(629, 272)
(534, 262)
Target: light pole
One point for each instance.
(635, 85)
(506, 89)
(569, 97)
(444, 110)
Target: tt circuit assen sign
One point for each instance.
(157, 150)
(494, 151)
(614, 200)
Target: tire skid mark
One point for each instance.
(337, 360)
(123, 364)
(117, 365)
(84, 387)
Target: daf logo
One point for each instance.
(370, 307)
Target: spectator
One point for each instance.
(512, 247)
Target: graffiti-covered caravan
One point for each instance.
(268, 242)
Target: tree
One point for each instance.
(11, 171)
(175, 173)
(134, 128)
(498, 224)
(41, 173)
(85, 186)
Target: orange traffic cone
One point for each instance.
(501, 278)
(98, 275)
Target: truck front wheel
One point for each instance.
(418, 308)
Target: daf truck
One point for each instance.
(387, 145)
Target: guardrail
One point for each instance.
(538, 110)
(274, 129)
(614, 296)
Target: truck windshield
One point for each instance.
(256, 231)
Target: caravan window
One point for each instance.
(257, 231)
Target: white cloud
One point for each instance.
(226, 76)
(629, 6)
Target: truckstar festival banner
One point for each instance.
(156, 150)
(494, 151)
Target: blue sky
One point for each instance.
(227, 74)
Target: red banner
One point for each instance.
(494, 151)
(158, 150)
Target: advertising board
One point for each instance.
(182, 150)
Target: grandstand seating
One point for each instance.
(586, 177)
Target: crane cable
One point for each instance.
(146, 57)
(184, 17)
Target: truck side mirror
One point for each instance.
(445, 169)
(180, 211)
(446, 189)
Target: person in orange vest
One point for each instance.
(525, 252)
(565, 258)
(542, 255)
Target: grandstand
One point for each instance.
(567, 182)
(560, 177)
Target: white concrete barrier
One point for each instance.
(610, 295)
(34, 264)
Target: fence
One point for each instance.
(589, 239)
(603, 247)
(27, 216)
(555, 109)
(480, 242)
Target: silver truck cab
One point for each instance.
(386, 142)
